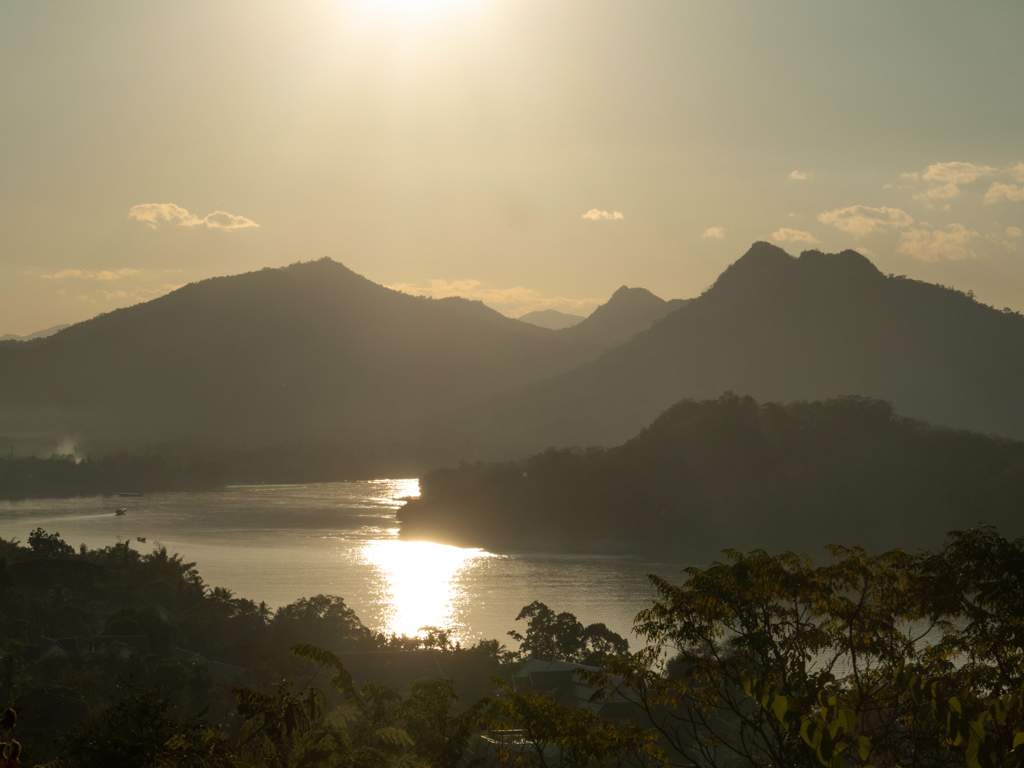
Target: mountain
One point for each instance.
(729, 472)
(551, 318)
(781, 328)
(625, 314)
(311, 351)
(37, 335)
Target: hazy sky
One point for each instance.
(533, 153)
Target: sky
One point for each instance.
(529, 153)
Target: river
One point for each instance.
(278, 543)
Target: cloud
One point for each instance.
(513, 301)
(956, 173)
(800, 175)
(155, 214)
(595, 215)
(860, 220)
(81, 274)
(943, 192)
(1014, 231)
(716, 232)
(946, 178)
(228, 221)
(1018, 171)
(786, 235)
(998, 191)
(936, 245)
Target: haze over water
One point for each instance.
(278, 543)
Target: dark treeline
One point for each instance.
(890, 660)
(732, 472)
(120, 473)
(89, 598)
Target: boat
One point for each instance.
(141, 538)
(121, 511)
(129, 495)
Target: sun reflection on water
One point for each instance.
(421, 581)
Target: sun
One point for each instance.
(409, 10)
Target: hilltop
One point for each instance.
(310, 351)
(781, 328)
(732, 473)
(551, 318)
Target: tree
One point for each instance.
(562, 636)
(781, 662)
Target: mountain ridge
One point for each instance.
(783, 328)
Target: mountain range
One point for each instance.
(314, 354)
(310, 352)
(782, 329)
(37, 335)
(551, 318)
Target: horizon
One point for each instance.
(527, 155)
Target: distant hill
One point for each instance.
(551, 318)
(308, 352)
(731, 473)
(37, 335)
(625, 314)
(781, 328)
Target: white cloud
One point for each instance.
(154, 214)
(956, 173)
(1018, 171)
(596, 215)
(946, 178)
(228, 221)
(1014, 231)
(998, 191)
(943, 192)
(860, 220)
(786, 235)
(81, 274)
(511, 301)
(936, 245)
(716, 232)
(800, 175)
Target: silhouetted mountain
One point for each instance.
(309, 351)
(625, 314)
(730, 473)
(551, 318)
(37, 335)
(781, 329)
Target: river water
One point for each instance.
(281, 542)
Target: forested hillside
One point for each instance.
(780, 328)
(309, 352)
(735, 473)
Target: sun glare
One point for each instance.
(408, 10)
(421, 580)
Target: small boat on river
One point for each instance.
(121, 511)
(141, 538)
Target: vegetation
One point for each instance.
(65, 476)
(886, 660)
(732, 472)
(781, 328)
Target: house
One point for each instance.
(122, 645)
(55, 646)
